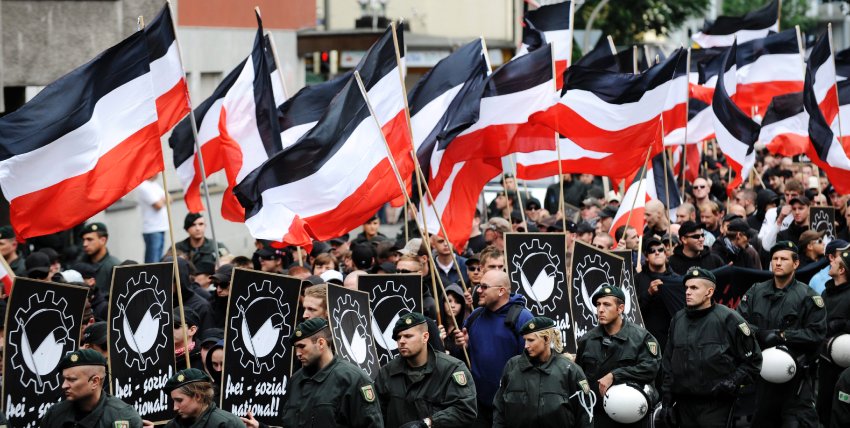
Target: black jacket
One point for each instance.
(679, 262)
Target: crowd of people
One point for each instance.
(476, 356)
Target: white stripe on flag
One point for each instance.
(167, 71)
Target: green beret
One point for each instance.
(407, 321)
(6, 232)
(608, 290)
(784, 245)
(94, 227)
(536, 324)
(309, 328)
(185, 377)
(698, 272)
(82, 357)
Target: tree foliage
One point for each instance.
(793, 12)
(627, 20)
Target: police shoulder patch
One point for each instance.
(585, 387)
(745, 328)
(744, 298)
(460, 378)
(121, 424)
(653, 347)
(818, 301)
(843, 397)
(368, 393)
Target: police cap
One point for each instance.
(784, 246)
(407, 321)
(95, 227)
(309, 328)
(537, 324)
(185, 377)
(608, 290)
(698, 272)
(82, 357)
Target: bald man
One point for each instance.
(492, 336)
(657, 221)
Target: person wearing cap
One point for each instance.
(192, 392)
(473, 270)
(534, 212)
(420, 387)
(615, 351)
(184, 343)
(9, 251)
(785, 312)
(649, 283)
(734, 246)
(606, 218)
(332, 277)
(327, 391)
(94, 338)
(38, 266)
(86, 402)
(693, 251)
(818, 281)
(812, 247)
(836, 300)
(494, 233)
(208, 338)
(193, 297)
(492, 336)
(197, 247)
(95, 237)
(710, 353)
(218, 300)
(364, 256)
(541, 388)
(371, 232)
(271, 259)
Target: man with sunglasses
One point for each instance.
(692, 251)
(812, 247)
(656, 316)
(492, 336)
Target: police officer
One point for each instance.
(785, 312)
(840, 417)
(836, 299)
(326, 392)
(710, 353)
(541, 388)
(420, 387)
(95, 237)
(86, 403)
(616, 351)
(191, 390)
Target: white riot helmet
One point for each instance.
(838, 350)
(625, 404)
(778, 366)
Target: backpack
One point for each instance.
(510, 318)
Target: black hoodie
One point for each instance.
(679, 262)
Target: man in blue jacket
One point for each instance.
(492, 336)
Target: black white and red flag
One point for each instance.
(92, 136)
(549, 24)
(736, 133)
(825, 149)
(338, 174)
(169, 80)
(824, 79)
(753, 25)
(785, 127)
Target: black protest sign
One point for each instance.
(822, 219)
(629, 287)
(43, 321)
(262, 311)
(538, 271)
(591, 269)
(351, 326)
(390, 296)
(140, 336)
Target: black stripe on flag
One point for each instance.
(69, 102)
(733, 119)
(782, 107)
(266, 108)
(306, 157)
(160, 34)
(372, 71)
(600, 57)
(842, 63)
(844, 92)
(695, 107)
(623, 88)
(451, 71)
(551, 17)
(309, 104)
(784, 42)
(181, 141)
(820, 134)
(820, 54)
(758, 19)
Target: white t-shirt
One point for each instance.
(153, 220)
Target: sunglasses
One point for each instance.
(473, 268)
(405, 271)
(702, 186)
(656, 250)
(484, 287)
(696, 236)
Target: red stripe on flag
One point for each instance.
(788, 144)
(460, 209)
(214, 161)
(172, 106)
(591, 137)
(7, 284)
(829, 104)
(72, 201)
(397, 132)
(675, 118)
(759, 95)
(231, 155)
(738, 178)
(560, 68)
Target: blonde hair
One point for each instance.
(203, 391)
(553, 337)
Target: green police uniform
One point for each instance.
(103, 267)
(794, 317)
(204, 253)
(535, 394)
(441, 390)
(110, 412)
(212, 416)
(631, 355)
(840, 413)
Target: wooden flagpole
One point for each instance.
(832, 55)
(612, 45)
(687, 114)
(425, 239)
(175, 266)
(512, 158)
(194, 126)
(273, 47)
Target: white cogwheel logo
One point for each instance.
(627, 290)
(350, 325)
(42, 336)
(260, 327)
(539, 275)
(821, 223)
(593, 274)
(390, 302)
(142, 321)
